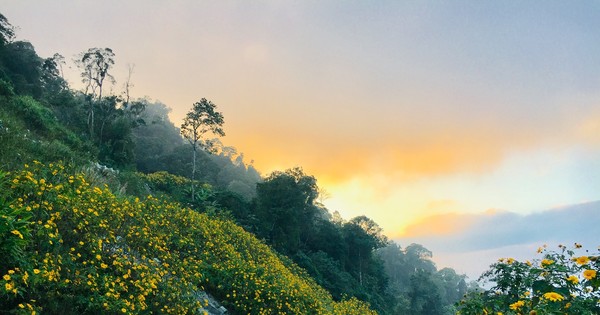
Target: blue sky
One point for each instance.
(404, 110)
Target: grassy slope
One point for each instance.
(29, 130)
(85, 250)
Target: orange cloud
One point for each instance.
(438, 225)
(335, 155)
(445, 224)
(588, 128)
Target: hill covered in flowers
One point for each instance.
(73, 243)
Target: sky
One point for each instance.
(444, 121)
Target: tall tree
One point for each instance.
(419, 258)
(95, 64)
(201, 120)
(23, 67)
(454, 285)
(363, 236)
(128, 85)
(285, 207)
(7, 31)
(426, 294)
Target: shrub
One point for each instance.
(36, 116)
(562, 282)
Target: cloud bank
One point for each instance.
(493, 229)
(470, 242)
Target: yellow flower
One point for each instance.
(17, 233)
(36, 271)
(589, 274)
(6, 277)
(517, 305)
(547, 262)
(582, 260)
(553, 296)
(573, 279)
(8, 286)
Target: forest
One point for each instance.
(107, 206)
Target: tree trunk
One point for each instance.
(360, 269)
(91, 120)
(193, 171)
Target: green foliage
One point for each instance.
(6, 88)
(7, 31)
(24, 68)
(30, 131)
(166, 182)
(416, 284)
(562, 282)
(425, 294)
(156, 140)
(286, 209)
(116, 144)
(35, 116)
(88, 251)
(339, 255)
(14, 229)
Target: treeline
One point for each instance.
(115, 130)
(42, 118)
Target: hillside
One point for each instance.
(103, 210)
(77, 244)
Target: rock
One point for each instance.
(213, 307)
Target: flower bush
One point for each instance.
(75, 248)
(564, 281)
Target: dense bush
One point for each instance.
(562, 282)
